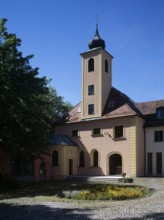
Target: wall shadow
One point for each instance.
(87, 170)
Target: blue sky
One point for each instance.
(57, 31)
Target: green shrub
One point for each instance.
(7, 183)
(111, 192)
(125, 180)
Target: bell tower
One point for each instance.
(96, 77)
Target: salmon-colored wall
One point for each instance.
(105, 144)
(65, 153)
(37, 176)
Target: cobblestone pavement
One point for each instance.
(151, 207)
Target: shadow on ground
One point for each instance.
(42, 189)
(42, 212)
(39, 212)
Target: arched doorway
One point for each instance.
(43, 171)
(115, 164)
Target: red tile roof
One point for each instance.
(149, 107)
(118, 104)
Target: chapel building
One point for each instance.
(107, 133)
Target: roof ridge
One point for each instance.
(159, 100)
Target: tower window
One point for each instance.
(91, 90)
(91, 109)
(91, 65)
(106, 66)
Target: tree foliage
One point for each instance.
(28, 107)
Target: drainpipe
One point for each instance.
(144, 151)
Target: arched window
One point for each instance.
(55, 158)
(106, 66)
(82, 159)
(94, 158)
(90, 65)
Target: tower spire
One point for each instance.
(96, 20)
(97, 41)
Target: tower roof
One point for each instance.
(97, 41)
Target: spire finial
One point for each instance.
(96, 20)
(96, 41)
(96, 23)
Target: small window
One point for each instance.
(82, 159)
(55, 159)
(91, 90)
(91, 65)
(160, 113)
(106, 66)
(118, 132)
(74, 133)
(96, 131)
(158, 136)
(91, 109)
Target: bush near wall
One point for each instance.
(7, 183)
(111, 192)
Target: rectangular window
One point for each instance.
(159, 163)
(106, 66)
(118, 132)
(91, 109)
(149, 163)
(91, 90)
(74, 133)
(96, 131)
(158, 136)
(160, 113)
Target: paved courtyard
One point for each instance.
(151, 207)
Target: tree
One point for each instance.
(28, 107)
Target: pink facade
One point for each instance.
(42, 169)
(106, 145)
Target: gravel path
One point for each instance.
(147, 208)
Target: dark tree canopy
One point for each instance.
(28, 106)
